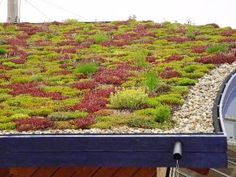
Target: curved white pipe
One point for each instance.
(222, 101)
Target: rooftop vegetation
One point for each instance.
(77, 75)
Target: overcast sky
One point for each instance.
(221, 12)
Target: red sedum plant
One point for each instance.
(93, 101)
(34, 123)
(85, 122)
(169, 73)
(217, 59)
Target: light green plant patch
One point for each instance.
(170, 99)
(216, 48)
(185, 82)
(182, 90)
(107, 122)
(128, 99)
(151, 81)
(7, 126)
(64, 90)
(100, 37)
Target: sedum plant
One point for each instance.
(159, 114)
(128, 99)
(151, 81)
(170, 99)
(162, 113)
(7, 126)
(100, 37)
(2, 51)
(216, 48)
(87, 68)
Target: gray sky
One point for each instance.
(221, 12)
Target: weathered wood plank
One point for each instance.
(147, 172)
(4, 172)
(86, 171)
(105, 171)
(64, 172)
(79, 172)
(126, 171)
(46, 171)
(22, 172)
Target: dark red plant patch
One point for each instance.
(30, 29)
(68, 43)
(169, 73)
(85, 122)
(18, 61)
(127, 38)
(33, 89)
(111, 76)
(66, 50)
(108, 28)
(120, 43)
(199, 49)
(227, 33)
(151, 59)
(217, 59)
(93, 101)
(85, 85)
(17, 42)
(34, 123)
(87, 43)
(174, 58)
(126, 66)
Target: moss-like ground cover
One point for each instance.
(101, 75)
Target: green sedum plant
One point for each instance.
(162, 113)
(87, 68)
(151, 81)
(7, 126)
(186, 82)
(2, 51)
(216, 48)
(170, 99)
(100, 37)
(17, 116)
(139, 58)
(142, 122)
(128, 99)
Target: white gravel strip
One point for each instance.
(194, 116)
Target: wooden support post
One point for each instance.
(161, 172)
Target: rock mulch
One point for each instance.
(194, 116)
